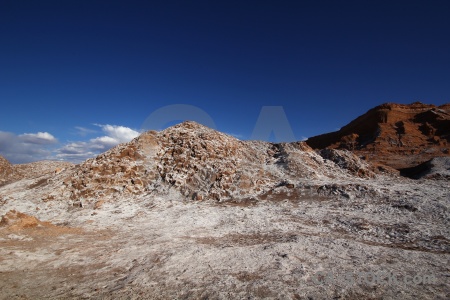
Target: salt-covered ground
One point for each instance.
(318, 240)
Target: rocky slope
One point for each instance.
(436, 168)
(10, 173)
(6, 170)
(201, 163)
(124, 225)
(397, 135)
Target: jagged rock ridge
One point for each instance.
(397, 135)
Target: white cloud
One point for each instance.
(119, 133)
(79, 151)
(26, 147)
(30, 147)
(41, 138)
(75, 152)
(82, 131)
(104, 142)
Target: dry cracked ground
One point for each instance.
(311, 241)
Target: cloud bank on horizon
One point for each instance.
(29, 147)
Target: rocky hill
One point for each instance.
(10, 173)
(201, 163)
(130, 224)
(397, 135)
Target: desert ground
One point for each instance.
(192, 213)
(296, 243)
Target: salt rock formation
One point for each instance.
(200, 163)
(397, 135)
(18, 220)
(6, 170)
(10, 173)
(39, 168)
(436, 168)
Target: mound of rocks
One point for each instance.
(200, 163)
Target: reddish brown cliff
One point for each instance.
(397, 135)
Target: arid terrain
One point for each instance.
(192, 213)
(397, 135)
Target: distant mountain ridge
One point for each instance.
(397, 135)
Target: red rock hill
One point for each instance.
(397, 135)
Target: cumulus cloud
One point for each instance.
(29, 147)
(120, 133)
(83, 131)
(41, 138)
(26, 147)
(82, 150)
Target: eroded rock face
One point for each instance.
(397, 135)
(6, 170)
(201, 163)
(349, 161)
(18, 220)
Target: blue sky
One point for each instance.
(77, 77)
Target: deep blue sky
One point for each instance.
(67, 64)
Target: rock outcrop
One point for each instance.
(436, 168)
(396, 135)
